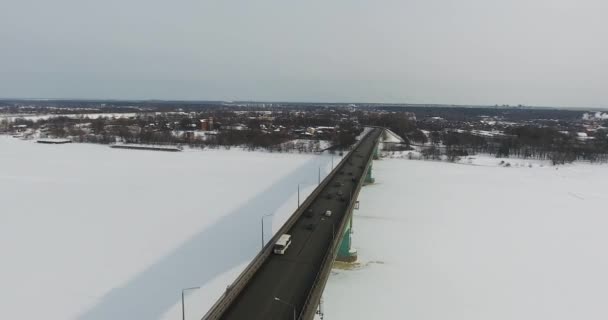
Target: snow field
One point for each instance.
(448, 241)
(90, 232)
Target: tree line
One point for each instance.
(163, 130)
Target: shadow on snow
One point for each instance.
(206, 255)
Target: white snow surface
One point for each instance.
(392, 137)
(297, 144)
(93, 233)
(89, 232)
(595, 116)
(476, 160)
(438, 241)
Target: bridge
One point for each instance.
(290, 286)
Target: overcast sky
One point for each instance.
(533, 52)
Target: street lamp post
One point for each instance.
(289, 304)
(183, 308)
(262, 220)
(319, 175)
(333, 232)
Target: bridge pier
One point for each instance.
(376, 152)
(346, 253)
(369, 179)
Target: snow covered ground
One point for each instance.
(298, 145)
(93, 233)
(440, 241)
(391, 137)
(89, 232)
(476, 160)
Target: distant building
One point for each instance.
(410, 116)
(583, 136)
(235, 127)
(206, 124)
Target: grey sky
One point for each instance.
(534, 52)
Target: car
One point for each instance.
(309, 213)
(310, 226)
(328, 196)
(328, 213)
(338, 184)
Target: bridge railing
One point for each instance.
(314, 296)
(233, 290)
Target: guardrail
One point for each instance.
(310, 305)
(233, 290)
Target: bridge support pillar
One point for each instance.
(376, 153)
(369, 179)
(346, 253)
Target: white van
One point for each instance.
(282, 244)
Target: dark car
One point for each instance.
(309, 213)
(310, 226)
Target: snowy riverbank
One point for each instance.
(89, 232)
(438, 240)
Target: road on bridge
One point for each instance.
(290, 277)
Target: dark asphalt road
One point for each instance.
(290, 277)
